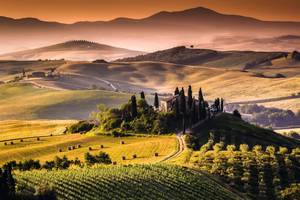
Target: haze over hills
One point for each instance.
(72, 50)
(159, 31)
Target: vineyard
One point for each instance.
(261, 173)
(125, 182)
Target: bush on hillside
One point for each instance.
(101, 158)
(81, 127)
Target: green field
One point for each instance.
(127, 182)
(23, 101)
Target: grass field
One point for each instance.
(22, 129)
(297, 130)
(48, 147)
(23, 101)
(128, 182)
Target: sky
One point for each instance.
(69, 11)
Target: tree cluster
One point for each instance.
(262, 174)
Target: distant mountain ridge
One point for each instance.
(159, 31)
(72, 50)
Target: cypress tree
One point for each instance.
(176, 91)
(200, 95)
(190, 97)
(133, 107)
(176, 109)
(222, 104)
(193, 112)
(183, 108)
(182, 102)
(142, 95)
(156, 102)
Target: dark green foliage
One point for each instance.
(133, 107)
(28, 165)
(237, 114)
(255, 171)
(7, 183)
(190, 98)
(176, 92)
(82, 126)
(62, 163)
(182, 102)
(142, 95)
(101, 158)
(156, 101)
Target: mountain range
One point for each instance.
(163, 30)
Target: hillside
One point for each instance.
(128, 182)
(233, 130)
(159, 31)
(209, 58)
(24, 101)
(72, 50)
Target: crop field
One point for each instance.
(46, 148)
(127, 182)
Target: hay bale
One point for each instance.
(5, 143)
(38, 139)
(21, 140)
(69, 148)
(134, 156)
(123, 158)
(156, 154)
(60, 150)
(90, 148)
(122, 142)
(101, 146)
(12, 143)
(114, 163)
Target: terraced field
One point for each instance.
(128, 182)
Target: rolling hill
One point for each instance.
(233, 130)
(24, 101)
(159, 31)
(209, 58)
(72, 50)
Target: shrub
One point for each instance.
(81, 127)
(101, 158)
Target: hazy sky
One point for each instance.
(69, 11)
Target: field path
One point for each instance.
(179, 150)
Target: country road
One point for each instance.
(179, 150)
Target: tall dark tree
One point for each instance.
(133, 107)
(200, 95)
(193, 112)
(176, 91)
(183, 109)
(190, 97)
(142, 95)
(156, 101)
(176, 108)
(222, 105)
(182, 102)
